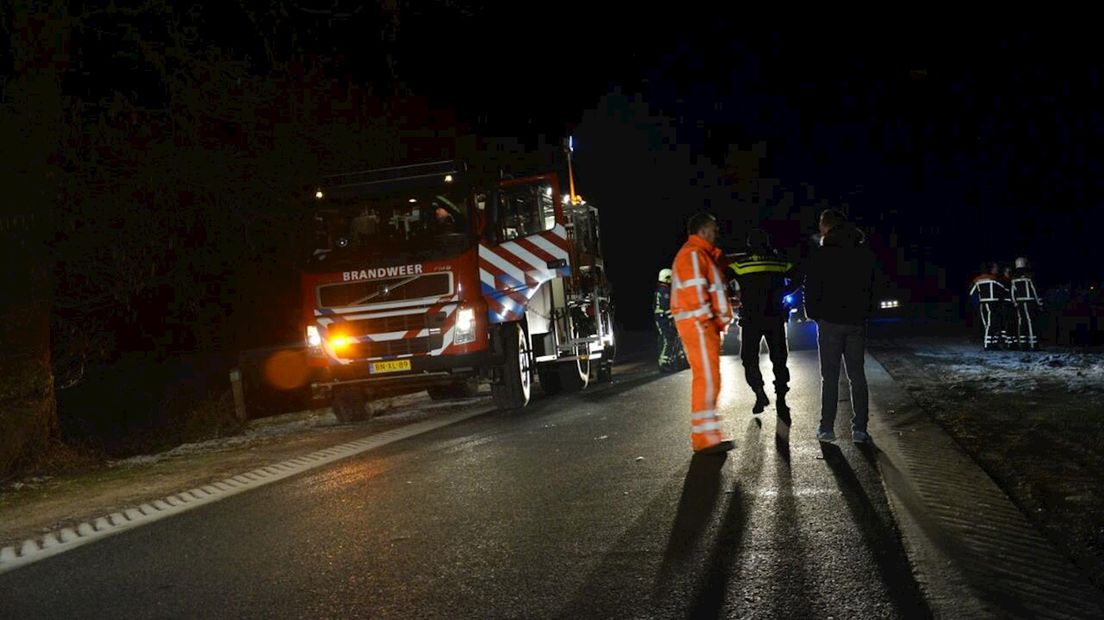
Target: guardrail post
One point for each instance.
(239, 395)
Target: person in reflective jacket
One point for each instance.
(764, 279)
(672, 358)
(989, 292)
(1027, 304)
(702, 312)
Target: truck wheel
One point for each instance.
(516, 384)
(349, 404)
(460, 389)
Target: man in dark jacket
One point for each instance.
(839, 296)
(764, 279)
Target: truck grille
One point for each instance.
(380, 291)
(389, 324)
(406, 346)
(416, 323)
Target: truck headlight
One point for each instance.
(314, 339)
(465, 326)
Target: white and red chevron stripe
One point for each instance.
(511, 272)
(325, 322)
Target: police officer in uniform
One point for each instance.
(764, 279)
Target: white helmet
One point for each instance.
(1021, 263)
(665, 276)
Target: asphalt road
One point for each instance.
(585, 505)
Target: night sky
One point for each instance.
(976, 145)
(970, 144)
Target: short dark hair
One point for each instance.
(831, 218)
(698, 222)
(758, 238)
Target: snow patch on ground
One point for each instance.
(1019, 372)
(261, 429)
(396, 410)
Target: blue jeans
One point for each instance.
(836, 341)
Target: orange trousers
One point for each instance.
(702, 342)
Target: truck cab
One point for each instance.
(433, 277)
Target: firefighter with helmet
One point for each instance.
(1008, 311)
(1027, 305)
(672, 357)
(990, 292)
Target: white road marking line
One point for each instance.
(71, 537)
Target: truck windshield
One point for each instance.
(428, 223)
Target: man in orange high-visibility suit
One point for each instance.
(702, 313)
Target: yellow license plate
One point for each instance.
(391, 366)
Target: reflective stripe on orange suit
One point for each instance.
(702, 312)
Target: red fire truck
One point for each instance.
(437, 277)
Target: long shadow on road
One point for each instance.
(696, 571)
(792, 602)
(724, 557)
(709, 601)
(701, 552)
(880, 539)
(700, 491)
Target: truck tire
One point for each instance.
(515, 386)
(349, 404)
(465, 388)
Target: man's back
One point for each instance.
(697, 291)
(762, 276)
(840, 284)
(988, 287)
(1023, 285)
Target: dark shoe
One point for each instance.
(724, 446)
(761, 402)
(860, 437)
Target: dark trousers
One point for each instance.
(752, 332)
(992, 323)
(672, 357)
(837, 341)
(1008, 324)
